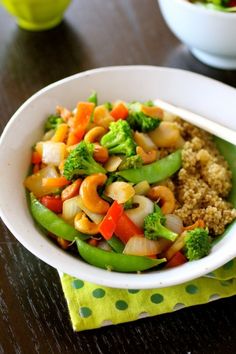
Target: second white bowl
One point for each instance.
(209, 34)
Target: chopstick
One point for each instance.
(212, 127)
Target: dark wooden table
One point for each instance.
(33, 312)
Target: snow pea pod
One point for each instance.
(53, 223)
(116, 244)
(156, 171)
(115, 261)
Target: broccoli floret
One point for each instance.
(93, 98)
(134, 161)
(52, 122)
(154, 226)
(139, 120)
(81, 162)
(119, 139)
(197, 244)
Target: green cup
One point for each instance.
(36, 15)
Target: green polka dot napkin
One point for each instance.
(93, 306)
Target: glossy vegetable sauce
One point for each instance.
(105, 185)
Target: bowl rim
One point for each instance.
(120, 280)
(202, 10)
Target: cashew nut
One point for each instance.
(96, 218)
(94, 134)
(154, 111)
(64, 112)
(165, 196)
(83, 224)
(145, 207)
(147, 157)
(100, 153)
(89, 195)
(90, 126)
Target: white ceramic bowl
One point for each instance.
(208, 97)
(209, 34)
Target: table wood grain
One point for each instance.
(33, 311)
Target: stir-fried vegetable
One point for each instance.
(140, 121)
(156, 171)
(108, 224)
(119, 139)
(52, 122)
(134, 161)
(53, 223)
(154, 226)
(141, 246)
(126, 228)
(120, 111)
(115, 261)
(197, 244)
(81, 162)
(93, 98)
(94, 182)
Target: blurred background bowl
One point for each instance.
(36, 15)
(209, 34)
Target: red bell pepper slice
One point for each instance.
(176, 260)
(52, 203)
(109, 222)
(125, 229)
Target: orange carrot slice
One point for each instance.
(55, 182)
(120, 111)
(199, 223)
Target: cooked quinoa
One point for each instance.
(203, 182)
